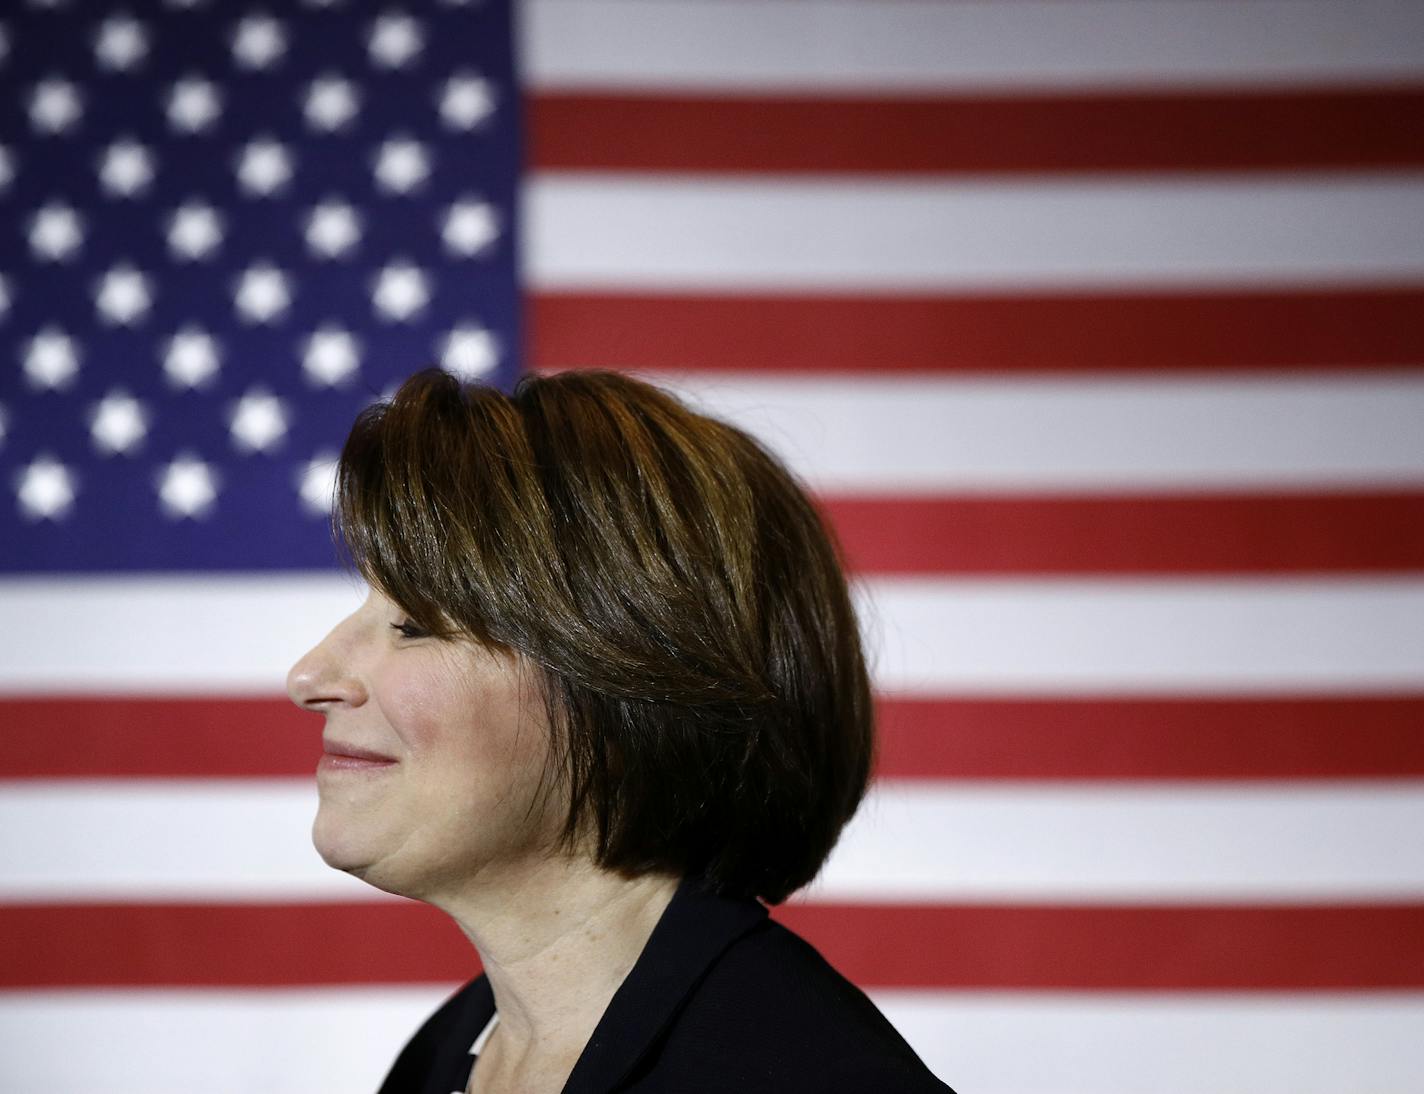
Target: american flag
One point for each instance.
(1095, 326)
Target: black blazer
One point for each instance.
(721, 999)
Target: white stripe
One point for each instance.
(1111, 842)
(598, 231)
(1120, 1043)
(165, 840)
(884, 46)
(307, 1041)
(342, 1039)
(188, 634)
(1099, 435)
(249, 840)
(1221, 635)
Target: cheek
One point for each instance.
(467, 714)
(411, 704)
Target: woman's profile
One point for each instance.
(605, 701)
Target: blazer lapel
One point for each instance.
(450, 1070)
(694, 930)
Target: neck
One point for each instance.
(556, 941)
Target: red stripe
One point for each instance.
(995, 333)
(1145, 131)
(1123, 948)
(1126, 948)
(1049, 738)
(1144, 534)
(216, 736)
(238, 945)
(1100, 738)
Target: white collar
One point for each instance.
(478, 1046)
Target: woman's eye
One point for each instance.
(408, 629)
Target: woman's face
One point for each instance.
(433, 755)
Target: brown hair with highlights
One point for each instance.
(679, 597)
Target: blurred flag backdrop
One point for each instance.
(1096, 327)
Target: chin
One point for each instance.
(352, 852)
(340, 848)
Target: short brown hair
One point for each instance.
(680, 598)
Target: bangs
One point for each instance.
(436, 504)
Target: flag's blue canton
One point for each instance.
(226, 228)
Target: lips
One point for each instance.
(354, 752)
(353, 759)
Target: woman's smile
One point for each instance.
(433, 754)
(338, 757)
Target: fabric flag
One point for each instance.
(1093, 326)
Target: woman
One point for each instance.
(606, 691)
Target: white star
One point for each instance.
(123, 295)
(4, 45)
(258, 41)
(466, 101)
(55, 105)
(258, 421)
(187, 487)
(186, 5)
(191, 359)
(333, 228)
(316, 483)
(470, 226)
(262, 293)
(121, 43)
(194, 230)
(4, 295)
(126, 168)
(56, 232)
(394, 39)
(400, 291)
(469, 352)
(51, 361)
(45, 489)
(401, 165)
(193, 104)
(117, 423)
(264, 167)
(331, 103)
(331, 356)
(7, 168)
(3, 419)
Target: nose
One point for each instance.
(324, 676)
